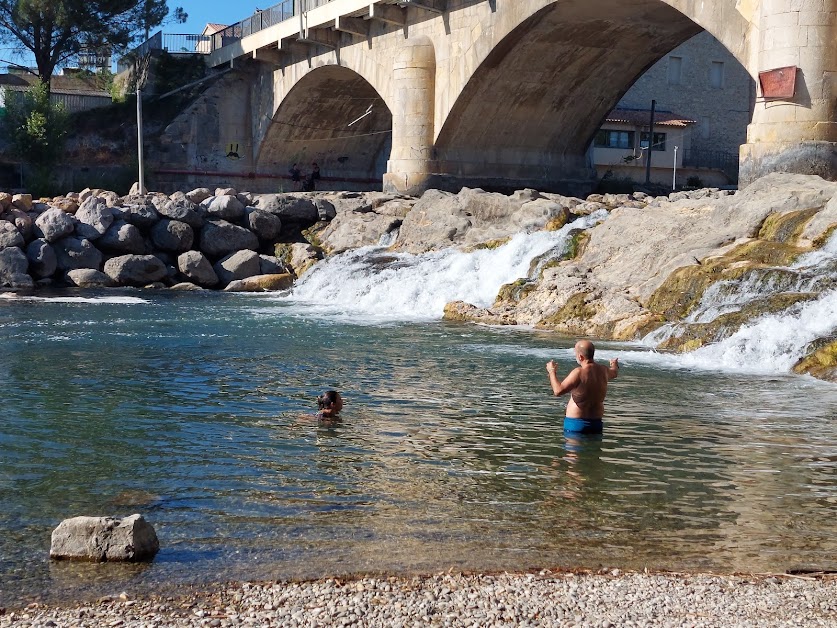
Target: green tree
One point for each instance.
(54, 31)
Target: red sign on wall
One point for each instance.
(778, 83)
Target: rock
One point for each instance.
(246, 198)
(24, 223)
(68, 205)
(270, 265)
(5, 201)
(172, 235)
(13, 261)
(9, 235)
(185, 286)
(181, 209)
(54, 224)
(225, 192)
(73, 252)
(198, 195)
(89, 278)
(94, 218)
(262, 283)
(22, 201)
(196, 267)
(219, 238)
(238, 265)
(122, 238)
(289, 208)
(142, 215)
(325, 209)
(19, 282)
(352, 230)
(102, 539)
(265, 225)
(42, 259)
(135, 270)
(298, 256)
(223, 207)
(436, 221)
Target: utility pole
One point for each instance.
(650, 144)
(674, 172)
(139, 142)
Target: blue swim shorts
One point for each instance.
(583, 426)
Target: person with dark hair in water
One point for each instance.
(329, 404)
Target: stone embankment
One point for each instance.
(603, 600)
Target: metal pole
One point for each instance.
(650, 143)
(139, 142)
(674, 173)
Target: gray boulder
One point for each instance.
(9, 235)
(182, 209)
(104, 539)
(197, 268)
(141, 215)
(89, 278)
(172, 235)
(198, 195)
(122, 238)
(288, 207)
(261, 283)
(238, 265)
(42, 259)
(24, 222)
(13, 262)
(94, 218)
(219, 238)
(75, 252)
(224, 207)
(270, 265)
(266, 226)
(54, 224)
(352, 230)
(325, 209)
(135, 270)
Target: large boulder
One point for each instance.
(141, 214)
(196, 267)
(351, 230)
(5, 201)
(298, 256)
(13, 262)
(9, 235)
(238, 265)
(42, 259)
(172, 235)
(289, 208)
(178, 207)
(270, 265)
(220, 238)
(68, 205)
(22, 201)
(325, 209)
(265, 225)
(198, 195)
(24, 223)
(135, 270)
(122, 238)
(262, 283)
(104, 539)
(436, 221)
(72, 253)
(54, 224)
(94, 218)
(225, 207)
(89, 278)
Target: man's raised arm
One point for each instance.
(560, 388)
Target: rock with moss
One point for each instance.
(821, 363)
(461, 311)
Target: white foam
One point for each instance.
(95, 300)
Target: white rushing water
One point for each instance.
(373, 285)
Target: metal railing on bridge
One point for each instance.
(261, 20)
(173, 43)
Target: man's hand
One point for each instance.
(614, 363)
(550, 367)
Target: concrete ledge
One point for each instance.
(816, 158)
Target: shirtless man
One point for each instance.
(587, 386)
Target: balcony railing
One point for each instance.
(721, 160)
(173, 43)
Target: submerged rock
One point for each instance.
(101, 539)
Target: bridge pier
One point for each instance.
(414, 90)
(795, 134)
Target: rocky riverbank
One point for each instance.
(604, 600)
(650, 263)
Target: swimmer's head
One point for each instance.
(330, 400)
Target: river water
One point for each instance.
(196, 410)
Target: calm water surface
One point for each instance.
(195, 410)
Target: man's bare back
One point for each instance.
(586, 384)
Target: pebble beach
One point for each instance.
(605, 599)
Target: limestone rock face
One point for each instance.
(55, 224)
(220, 238)
(135, 270)
(288, 207)
(9, 235)
(238, 265)
(172, 235)
(104, 539)
(261, 283)
(72, 253)
(94, 218)
(196, 267)
(42, 259)
(89, 278)
(122, 238)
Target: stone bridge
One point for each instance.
(496, 94)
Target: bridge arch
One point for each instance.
(528, 111)
(332, 116)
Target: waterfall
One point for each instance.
(373, 284)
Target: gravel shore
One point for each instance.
(543, 599)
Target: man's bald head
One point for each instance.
(585, 349)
